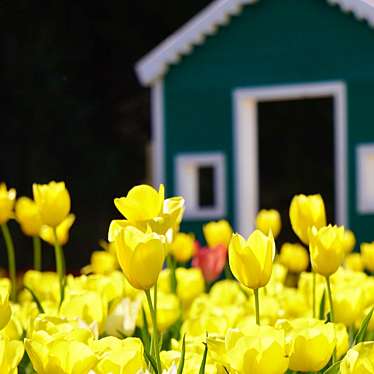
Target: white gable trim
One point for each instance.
(156, 63)
(194, 32)
(245, 142)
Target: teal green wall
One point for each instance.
(271, 42)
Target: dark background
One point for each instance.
(71, 107)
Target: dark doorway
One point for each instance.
(296, 155)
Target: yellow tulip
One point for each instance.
(27, 214)
(353, 261)
(62, 231)
(53, 201)
(102, 262)
(349, 241)
(267, 220)
(311, 343)
(5, 311)
(183, 247)
(142, 203)
(251, 260)
(118, 356)
(7, 199)
(89, 306)
(305, 212)
(261, 349)
(141, 256)
(217, 233)
(190, 284)
(342, 340)
(60, 356)
(367, 254)
(294, 257)
(326, 249)
(168, 310)
(11, 353)
(47, 328)
(359, 359)
(348, 305)
(122, 317)
(44, 284)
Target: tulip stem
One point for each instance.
(60, 264)
(37, 253)
(11, 259)
(153, 312)
(330, 299)
(332, 317)
(173, 277)
(314, 294)
(257, 306)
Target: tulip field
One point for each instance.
(155, 300)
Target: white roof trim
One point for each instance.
(194, 32)
(155, 64)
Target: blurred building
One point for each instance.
(255, 101)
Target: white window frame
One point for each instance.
(246, 144)
(365, 202)
(186, 166)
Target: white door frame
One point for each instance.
(246, 140)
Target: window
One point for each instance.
(200, 179)
(365, 178)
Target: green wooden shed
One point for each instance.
(254, 101)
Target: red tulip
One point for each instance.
(211, 261)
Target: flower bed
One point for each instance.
(139, 307)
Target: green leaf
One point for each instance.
(328, 317)
(151, 360)
(322, 306)
(183, 354)
(360, 336)
(203, 362)
(146, 338)
(333, 369)
(36, 300)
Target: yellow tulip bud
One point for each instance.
(7, 199)
(53, 201)
(311, 343)
(326, 249)
(27, 214)
(267, 220)
(305, 212)
(183, 247)
(367, 255)
(251, 260)
(141, 256)
(349, 241)
(359, 359)
(294, 257)
(217, 233)
(119, 355)
(11, 353)
(5, 311)
(353, 261)
(142, 203)
(62, 231)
